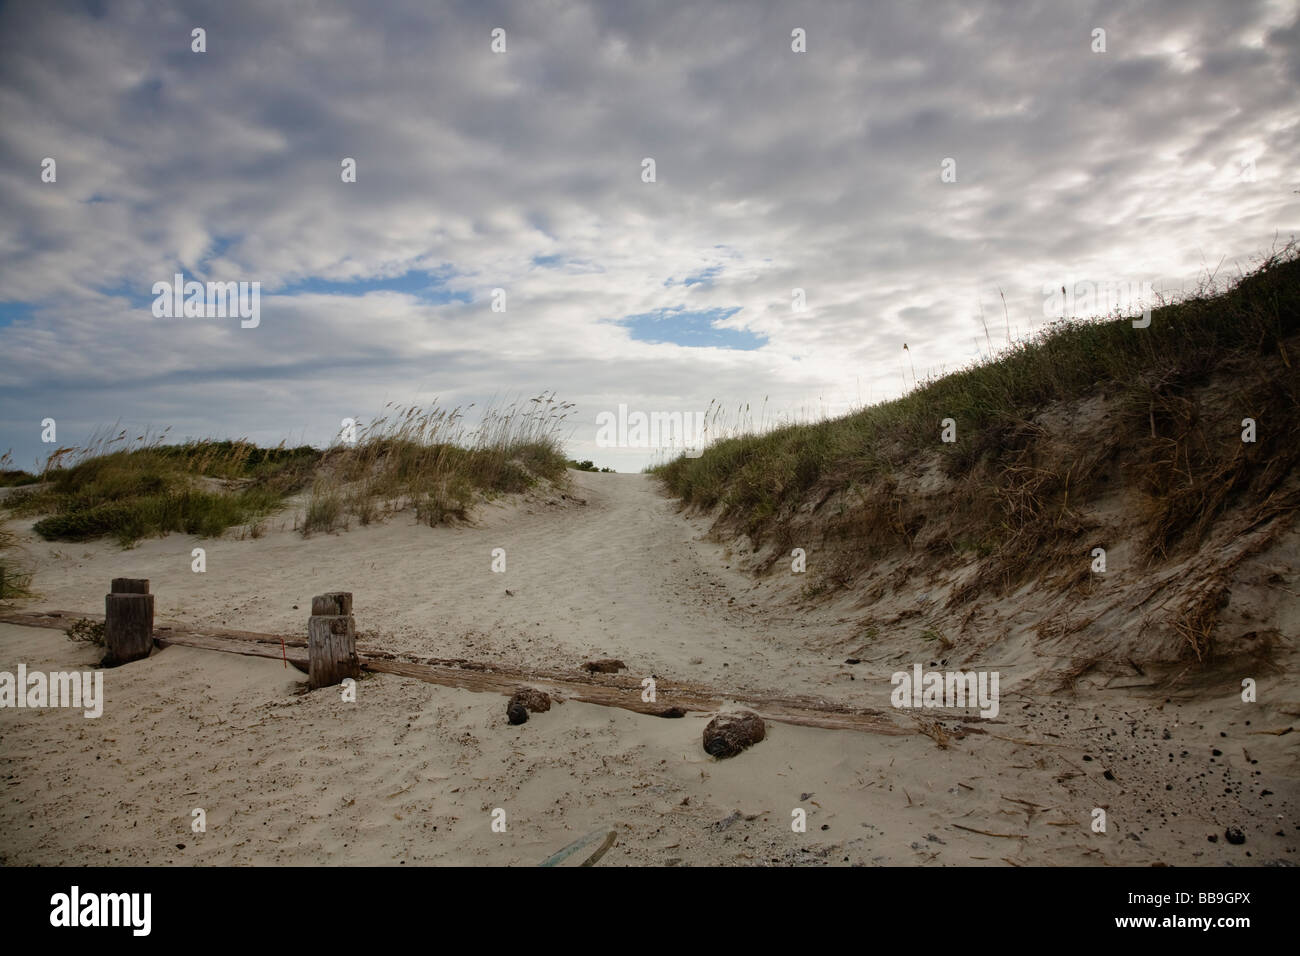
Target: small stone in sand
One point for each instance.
(607, 665)
(729, 734)
(516, 712)
(536, 701)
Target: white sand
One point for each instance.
(411, 772)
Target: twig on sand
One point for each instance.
(932, 730)
(1030, 743)
(595, 857)
(1009, 836)
(1036, 806)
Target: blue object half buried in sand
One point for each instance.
(577, 845)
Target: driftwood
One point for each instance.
(608, 842)
(332, 640)
(606, 665)
(780, 710)
(296, 658)
(605, 690)
(576, 845)
(333, 604)
(1008, 836)
(183, 635)
(128, 621)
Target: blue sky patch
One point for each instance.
(429, 287)
(11, 312)
(567, 265)
(691, 328)
(704, 278)
(218, 247)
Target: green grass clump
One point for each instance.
(450, 500)
(88, 523)
(587, 465)
(13, 478)
(427, 459)
(169, 506)
(15, 575)
(85, 631)
(130, 494)
(325, 510)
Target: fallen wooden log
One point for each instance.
(605, 690)
(770, 708)
(332, 640)
(61, 620)
(237, 646)
(182, 635)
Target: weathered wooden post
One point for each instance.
(128, 621)
(331, 640)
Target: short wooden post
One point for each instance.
(331, 640)
(128, 621)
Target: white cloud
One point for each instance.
(816, 170)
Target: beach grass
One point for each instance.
(758, 480)
(422, 458)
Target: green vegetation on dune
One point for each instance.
(15, 577)
(418, 458)
(12, 478)
(759, 480)
(144, 492)
(424, 459)
(587, 465)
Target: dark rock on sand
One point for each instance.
(537, 701)
(516, 712)
(729, 734)
(608, 665)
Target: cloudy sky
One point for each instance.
(1167, 156)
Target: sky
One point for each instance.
(919, 170)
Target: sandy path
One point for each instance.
(623, 575)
